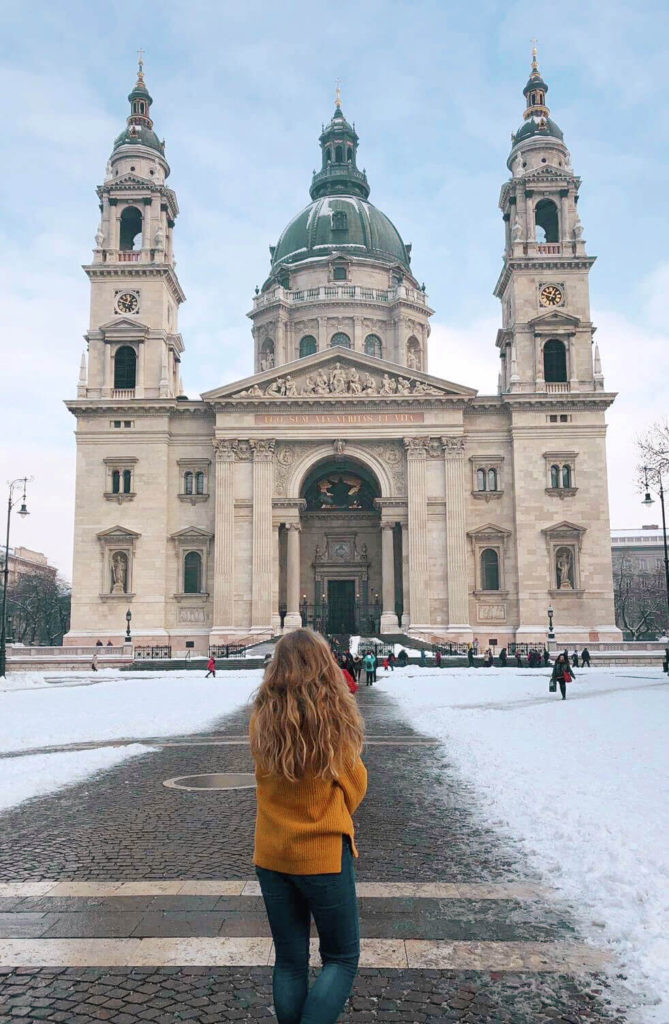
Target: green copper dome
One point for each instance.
(340, 219)
(139, 130)
(345, 224)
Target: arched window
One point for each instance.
(339, 220)
(267, 354)
(555, 361)
(340, 339)
(492, 479)
(480, 480)
(413, 354)
(373, 346)
(127, 481)
(116, 481)
(125, 367)
(555, 477)
(349, 153)
(188, 482)
(566, 476)
(328, 155)
(199, 482)
(193, 573)
(308, 345)
(546, 221)
(339, 154)
(489, 569)
(141, 106)
(131, 227)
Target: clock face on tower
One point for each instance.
(551, 295)
(127, 302)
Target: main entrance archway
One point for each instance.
(342, 551)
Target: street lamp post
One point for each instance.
(21, 482)
(649, 501)
(128, 619)
(551, 631)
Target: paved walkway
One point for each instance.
(127, 901)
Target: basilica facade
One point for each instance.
(341, 484)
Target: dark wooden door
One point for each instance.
(341, 606)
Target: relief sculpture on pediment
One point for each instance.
(340, 380)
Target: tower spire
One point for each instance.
(338, 96)
(339, 174)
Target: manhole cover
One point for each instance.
(217, 780)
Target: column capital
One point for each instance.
(226, 449)
(416, 447)
(294, 526)
(387, 525)
(263, 449)
(454, 447)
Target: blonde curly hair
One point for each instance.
(305, 721)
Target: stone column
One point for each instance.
(293, 618)
(224, 537)
(389, 622)
(322, 334)
(406, 602)
(139, 383)
(276, 618)
(456, 541)
(263, 483)
(357, 333)
(419, 570)
(108, 371)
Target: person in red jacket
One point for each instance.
(211, 668)
(350, 681)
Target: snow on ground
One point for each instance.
(119, 705)
(37, 774)
(108, 705)
(582, 783)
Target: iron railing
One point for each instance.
(153, 653)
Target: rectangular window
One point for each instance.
(116, 424)
(127, 424)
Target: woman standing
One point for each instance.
(306, 737)
(562, 673)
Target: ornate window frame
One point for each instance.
(561, 459)
(193, 466)
(497, 538)
(192, 538)
(486, 463)
(564, 535)
(119, 463)
(111, 541)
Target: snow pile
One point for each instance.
(119, 706)
(583, 784)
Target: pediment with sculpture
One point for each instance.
(328, 375)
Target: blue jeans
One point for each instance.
(290, 901)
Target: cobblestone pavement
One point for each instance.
(419, 823)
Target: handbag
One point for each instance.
(552, 686)
(567, 676)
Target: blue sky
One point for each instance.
(240, 92)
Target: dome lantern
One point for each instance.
(538, 123)
(139, 130)
(339, 174)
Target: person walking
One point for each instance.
(502, 657)
(211, 667)
(585, 658)
(423, 659)
(369, 668)
(391, 661)
(437, 658)
(547, 657)
(574, 658)
(357, 667)
(470, 656)
(306, 737)
(94, 661)
(562, 674)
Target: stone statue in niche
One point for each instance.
(412, 359)
(564, 562)
(119, 573)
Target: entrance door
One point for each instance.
(341, 606)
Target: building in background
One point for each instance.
(341, 484)
(24, 562)
(639, 582)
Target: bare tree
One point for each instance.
(38, 609)
(653, 446)
(640, 600)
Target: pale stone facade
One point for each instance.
(342, 484)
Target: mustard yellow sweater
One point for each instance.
(299, 825)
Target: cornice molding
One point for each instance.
(130, 270)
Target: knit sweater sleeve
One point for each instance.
(353, 783)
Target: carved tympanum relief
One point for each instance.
(340, 380)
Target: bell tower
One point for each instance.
(546, 341)
(134, 345)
